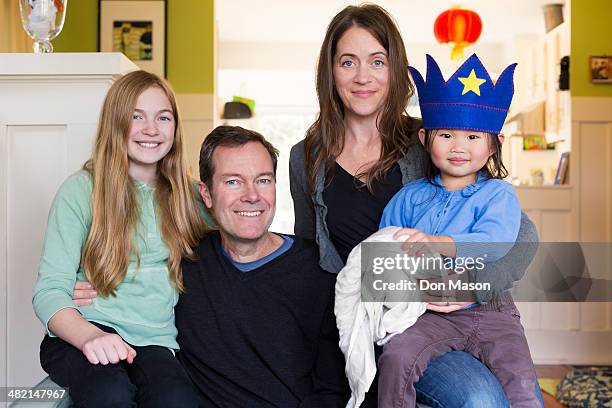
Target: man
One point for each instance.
(256, 324)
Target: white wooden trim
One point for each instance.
(570, 347)
(3, 255)
(586, 109)
(24, 65)
(198, 118)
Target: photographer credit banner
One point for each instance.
(533, 272)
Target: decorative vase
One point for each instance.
(43, 20)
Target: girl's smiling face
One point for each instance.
(151, 133)
(459, 154)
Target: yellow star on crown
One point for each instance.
(472, 83)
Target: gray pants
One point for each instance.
(491, 332)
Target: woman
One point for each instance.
(360, 151)
(123, 223)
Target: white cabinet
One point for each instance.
(557, 123)
(537, 80)
(576, 333)
(49, 108)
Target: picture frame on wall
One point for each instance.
(562, 169)
(136, 28)
(601, 69)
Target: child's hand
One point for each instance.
(419, 243)
(414, 235)
(105, 348)
(447, 307)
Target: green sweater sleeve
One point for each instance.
(67, 231)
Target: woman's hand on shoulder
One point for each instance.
(104, 348)
(83, 294)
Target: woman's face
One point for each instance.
(361, 73)
(151, 133)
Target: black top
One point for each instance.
(266, 338)
(353, 213)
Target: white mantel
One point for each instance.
(49, 108)
(64, 64)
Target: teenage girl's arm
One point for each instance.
(98, 346)
(67, 230)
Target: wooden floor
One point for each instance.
(552, 371)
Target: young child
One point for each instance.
(461, 203)
(123, 223)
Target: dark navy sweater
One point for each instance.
(265, 338)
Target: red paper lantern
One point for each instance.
(459, 26)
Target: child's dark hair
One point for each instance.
(494, 168)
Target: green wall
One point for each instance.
(590, 36)
(191, 65)
(189, 47)
(80, 32)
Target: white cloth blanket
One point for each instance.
(361, 324)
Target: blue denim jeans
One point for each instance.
(456, 379)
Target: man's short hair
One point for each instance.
(229, 136)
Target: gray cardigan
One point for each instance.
(311, 211)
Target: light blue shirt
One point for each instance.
(487, 211)
(249, 266)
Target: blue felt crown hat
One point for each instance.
(469, 100)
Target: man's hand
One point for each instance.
(104, 348)
(83, 294)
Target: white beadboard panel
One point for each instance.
(530, 314)
(595, 316)
(195, 131)
(588, 109)
(3, 251)
(198, 120)
(595, 181)
(597, 259)
(557, 315)
(37, 157)
(85, 109)
(570, 347)
(79, 145)
(545, 198)
(556, 226)
(573, 317)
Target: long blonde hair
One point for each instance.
(115, 208)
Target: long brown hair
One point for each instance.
(115, 208)
(325, 138)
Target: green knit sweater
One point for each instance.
(142, 313)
